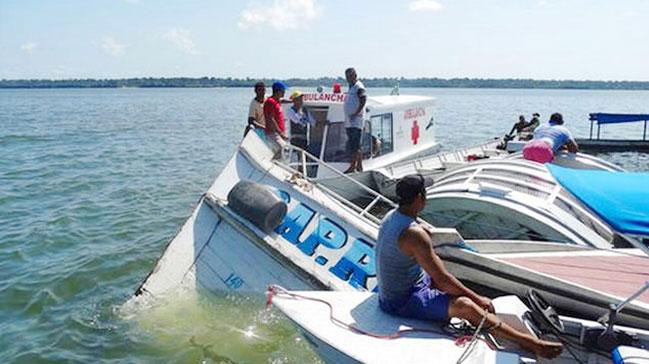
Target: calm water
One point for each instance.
(93, 183)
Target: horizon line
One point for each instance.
(396, 78)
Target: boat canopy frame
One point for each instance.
(499, 177)
(606, 118)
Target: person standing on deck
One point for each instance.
(256, 111)
(299, 117)
(354, 108)
(548, 139)
(414, 283)
(274, 117)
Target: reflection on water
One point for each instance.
(209, 328)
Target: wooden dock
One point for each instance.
(596, 144)
(613, 145)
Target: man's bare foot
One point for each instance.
(547, 349)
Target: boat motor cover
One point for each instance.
(619, 198)
(257, 203)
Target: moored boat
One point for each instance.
(349, 327)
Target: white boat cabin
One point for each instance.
(397, 127)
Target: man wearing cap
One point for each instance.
(256, 110)
(354, 108)
(274, 117)
(548, 139)
(533, 124)
(414, 283)
(299, 118)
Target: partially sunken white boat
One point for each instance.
(262, 222)
(348, 327)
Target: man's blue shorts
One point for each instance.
(424, 303)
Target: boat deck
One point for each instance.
(617, 274)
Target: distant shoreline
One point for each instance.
(207, 82)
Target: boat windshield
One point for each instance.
(336, 137)
(317, 131)
(336, 146)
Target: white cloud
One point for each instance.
(135, 2)
(542, 3)
(28, 47)
(111, 47)
(180, 38)
(280, 14)
(630, 14)
(425, 5)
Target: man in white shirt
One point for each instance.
(354, 108)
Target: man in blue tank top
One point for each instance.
(414, 283)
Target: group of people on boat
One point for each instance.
(543, 141)
(524, 129)
(412, 279)
(266, 117)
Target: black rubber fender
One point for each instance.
(258, 204)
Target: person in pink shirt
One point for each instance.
(548, 139)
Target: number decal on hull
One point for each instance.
(233, 281)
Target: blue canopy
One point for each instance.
(603, 118)
(619, 198)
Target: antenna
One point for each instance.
(395, 90)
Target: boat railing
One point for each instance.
(305, 161)
(438, 161)
(527, 181)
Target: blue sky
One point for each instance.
(542, 39)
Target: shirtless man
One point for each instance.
(414, 283)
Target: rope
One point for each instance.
(472, 343)
(274, 290)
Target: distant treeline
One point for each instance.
(327, 82)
